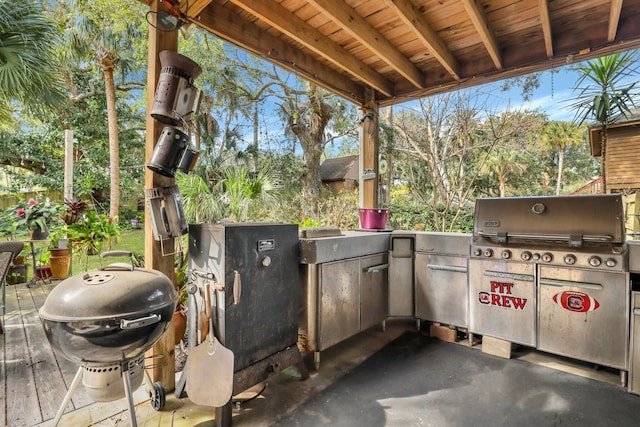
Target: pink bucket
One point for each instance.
(373, 219)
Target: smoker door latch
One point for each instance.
(237, 287)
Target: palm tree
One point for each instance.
(240, 191)
(502, 164)
(28, 73)
(235, 193)
(199, 203)
(559, 136)
(92, 35)
(605, 94)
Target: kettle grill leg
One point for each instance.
(67, 397)
(126, 379)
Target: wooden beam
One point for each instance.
(294, 27)
(230, 26)
(192, 8)
(480, 22)
(415, 21)
(164, 369)
(545, 21)
(614, 19)
(341, 13)
(442, 86)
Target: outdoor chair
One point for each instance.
(8, 252)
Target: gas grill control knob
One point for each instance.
(535, 256)
(547, 257)
(526, 256)
(570, 259)
(488, 253)
(595, 261)
(505, 254)
(266, 261)
(610, 262)
(477, 252)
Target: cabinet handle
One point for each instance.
(453, 268)
(561, 283)
(636, 311)
(512, 276)
(375, 268)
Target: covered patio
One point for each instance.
(397, 377)
(374, 53)
(379, 53)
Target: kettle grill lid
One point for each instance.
(109, 293)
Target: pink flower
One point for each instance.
(20, 212)
(32, 202)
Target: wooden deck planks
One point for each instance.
(21, 398)
(34, 377)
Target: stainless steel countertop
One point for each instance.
(350, 244)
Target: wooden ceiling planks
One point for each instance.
(409, 48)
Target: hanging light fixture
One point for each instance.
(173, 19)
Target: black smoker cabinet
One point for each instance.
(254, 267)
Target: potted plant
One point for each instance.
(60, 254)
(36, 216)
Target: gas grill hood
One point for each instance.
(574, 221)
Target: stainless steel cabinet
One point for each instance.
(374, 291)
(353, 297)
(584, 314)
(502, 300)
(634, 357)
(441, 277)
(401, 288)
(441, 294)
(339, 310)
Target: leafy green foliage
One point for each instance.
(28, 70)
(92, 232)
(605, 92)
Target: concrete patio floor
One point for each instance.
(400, 377)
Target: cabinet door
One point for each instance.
(441, 289)
(339, 315)
(634, 358)
(374, 290)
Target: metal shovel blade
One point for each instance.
(210, 368)
(210, 374)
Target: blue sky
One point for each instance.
(553, 96)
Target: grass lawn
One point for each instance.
(132, 241)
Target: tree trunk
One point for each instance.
(389, 174)
(107, 62)
(503, 186)
(310, 133)
(255, 136)
(603, 160)
(560, 166)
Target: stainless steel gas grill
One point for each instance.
(551, 273)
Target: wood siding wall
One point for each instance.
(623, 158)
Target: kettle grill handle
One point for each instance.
(139, 323)
(121, 266)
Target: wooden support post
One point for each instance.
(68, 165)
(163, 367)
(369, 147)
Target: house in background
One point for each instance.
(622, 155)
(622, 165)
(340, 173)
